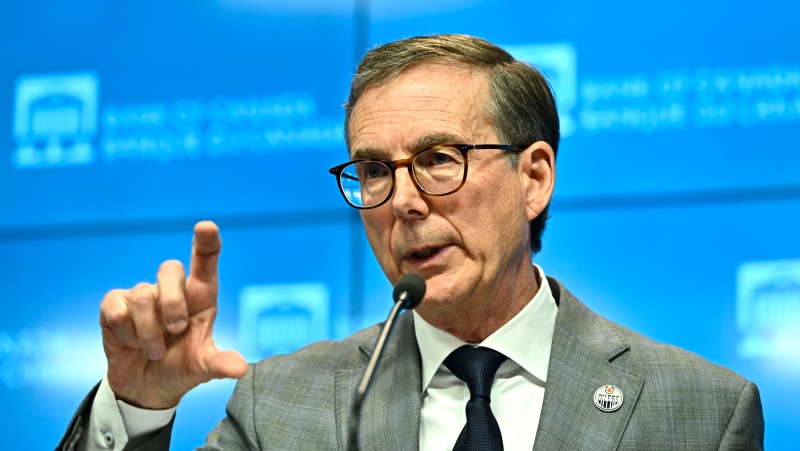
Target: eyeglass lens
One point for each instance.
(437, 171)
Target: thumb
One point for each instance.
(227, 364)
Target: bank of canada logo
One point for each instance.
(768, 309)
(55, 120)
(558, 62)
(279, 319)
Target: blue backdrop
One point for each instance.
(675, 212)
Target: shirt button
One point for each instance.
(109, 439)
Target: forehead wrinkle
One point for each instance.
(424, 142)
(461, 122)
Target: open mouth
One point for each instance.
(425, 253)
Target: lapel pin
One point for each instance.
(608, 398)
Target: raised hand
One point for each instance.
(158, 337)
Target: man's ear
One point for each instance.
(537, 172)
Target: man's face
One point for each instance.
(469, 245)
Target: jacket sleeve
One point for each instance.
(745, 429)
(69, 442)
(237, 431)
(82, 435)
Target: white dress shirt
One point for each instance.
(113, 424)
(517, 391)
(518, 388)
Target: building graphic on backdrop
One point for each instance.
(55, 120)
(559, 63)
(279, 319)
(768, 308)
(58, 122)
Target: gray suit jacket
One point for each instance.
(673, 399)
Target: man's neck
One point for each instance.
(476, 318)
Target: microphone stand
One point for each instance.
(355, 412)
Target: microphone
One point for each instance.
(408, 293)
(409, 290)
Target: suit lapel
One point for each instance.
(390, 413)
(584, 346)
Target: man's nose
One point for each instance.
(407, 200)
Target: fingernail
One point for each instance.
(155, 354)
(176, 325)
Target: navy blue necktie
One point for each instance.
(477, 367)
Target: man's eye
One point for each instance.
(436, 158)
(374, 171)
(441, 158)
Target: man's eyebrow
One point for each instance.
(424, 142)
(434, 139)
(365, 153)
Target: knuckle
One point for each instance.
(139, 302)
(142, 286)
(116, 293)
(116, 316)
(113, 307)
(113, 297)
(171, 267)
(141, 296)
(149, 335)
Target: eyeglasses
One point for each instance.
(436, 171)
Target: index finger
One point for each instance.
(206, 246)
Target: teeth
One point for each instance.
(425, 254)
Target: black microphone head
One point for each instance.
(414, 285)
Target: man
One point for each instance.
(452, 146)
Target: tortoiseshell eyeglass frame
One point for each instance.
(409, 164)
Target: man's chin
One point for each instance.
(440, 295)
(442, 289)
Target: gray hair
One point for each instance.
(521, 106)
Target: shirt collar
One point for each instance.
(526, 339)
